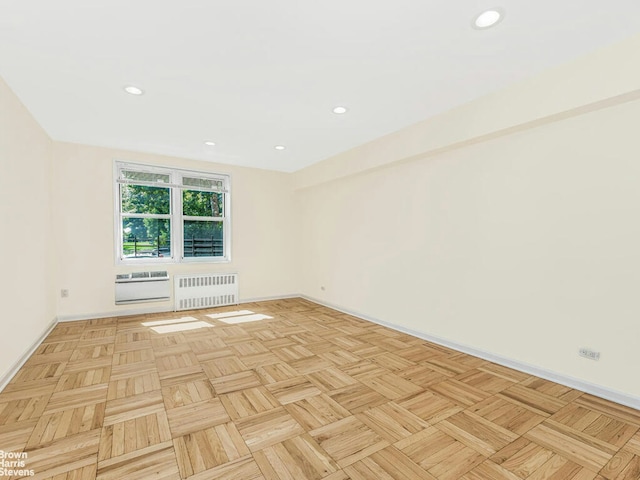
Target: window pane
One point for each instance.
(146, 237)
(203, 239)
(208, 183)
(144, 199)
(201, 204)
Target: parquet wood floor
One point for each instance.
(303, 392)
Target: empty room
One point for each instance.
(337, 240)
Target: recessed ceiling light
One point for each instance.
(279, 147)
(339, 110)
(130, 89)
(488, 18)
(210, 144)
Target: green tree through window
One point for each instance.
(158, 206)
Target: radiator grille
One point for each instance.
(205, 290)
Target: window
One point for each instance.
(170, 215)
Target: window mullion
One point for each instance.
(176, 220)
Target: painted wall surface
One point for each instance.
(525, 246)
(83, 180)
(606, 76)
(26, 240)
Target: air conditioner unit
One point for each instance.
(142, 287)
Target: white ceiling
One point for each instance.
(251, 74)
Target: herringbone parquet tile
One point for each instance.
(292, 390)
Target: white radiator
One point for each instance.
(205, 290)
(142, 287)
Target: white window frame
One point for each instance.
(175, 216)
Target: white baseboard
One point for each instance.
(6, 378)
(268, 299)
(587, 387)
(148, 310)
(115, 313)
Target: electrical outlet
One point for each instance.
(64, 293)
(588, 353)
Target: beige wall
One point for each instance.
(26, 241)
(608, 76)
(525, 246)
(83, 195)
